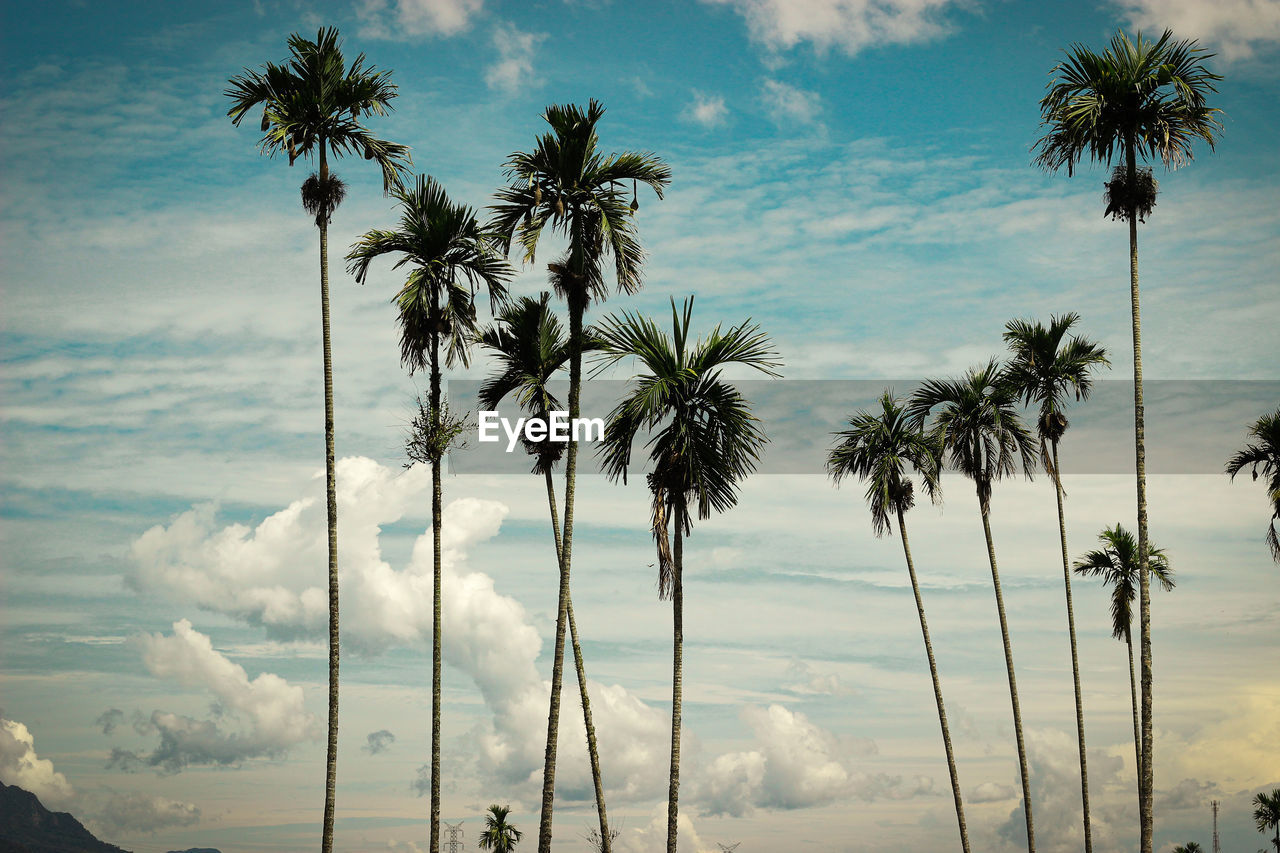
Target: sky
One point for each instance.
(853, 175)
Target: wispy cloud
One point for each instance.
(789, 105)
(399, 19)
(1238, 29)
(513, 71)
(849, 25)
(705, 110)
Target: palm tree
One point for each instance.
(1266, 813)
(880, 449)
(449, 256)
(498, 835)
(1267, 455)
(1189, 847)
(704, 441)
(1136, 99)
(313, 104)
(531, 347)
(567, 184)
(977, 427)
(1044, 371)
(1118, 565)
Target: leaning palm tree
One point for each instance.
(1117, 564)
(1137, 99)
(530, 347)
(566, 183)
(313, 105)
(882, 449)
(449, 256)
(1266, 453)
(976, 425)
(1045, 370)
(1266, 813)
(498, 835)
(704, 441)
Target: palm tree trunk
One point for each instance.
(937, 688)
(606, 843)
(331, 507)
(562, 609)
(436, 638)
(1013, 684)
(1075, 656)
(1146, 780)
(1133, 695)
(677, 681)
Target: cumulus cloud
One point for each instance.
(109, 719)
(706, 110)
(788, 105)
(379, 741)
(267, 713)
(407, 18)
(992, 792)
(21, 766)
(849, 25)
(1237, 29)
(138, 812)
(1187, 794)
(514, 68)
(652, 838)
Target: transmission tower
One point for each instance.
(1217, 848)
(728, 848)
(454, 842)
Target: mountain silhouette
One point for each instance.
(26, 826)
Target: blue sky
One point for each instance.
(856, 177)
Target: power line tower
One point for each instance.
(728, 848)
(1217, 847)
(454, 842)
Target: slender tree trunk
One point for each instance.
(1013, 684)
(1075, 656)
(677, 682)
(562, 609)
(1146, 780)
(436, 634)
(606, 843)
(1133, 696)
(331, 507)
(937, 687)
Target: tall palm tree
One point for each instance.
(882, 449)
(531, 347)
(498, 835)
(1045, 371)
(449, 256)
(313, 105)
(704, 441)
(1118, 565)
(566, 183)
(976, 425)
(1137, 99)
(1266, 453)
(1266, 813)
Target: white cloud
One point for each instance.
(514, 68)
(271, 711)
(850, 25)
(789, 105)
(138, 812)
(805, 680)
(706, 110)
(991, 792)
(652, 838)
(407, 18)
(19, 765)
(1235, 28)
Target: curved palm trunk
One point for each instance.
(562, 609)
(1013, 684)
(1075, 656)
(937, 687)
(677, 682)
(1146, 779)
(606, 843)
(331, 507)
(436, 634)
(1133, 695)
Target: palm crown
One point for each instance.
(1117, 564)
(1138, 96)
(976, 425)
(451, 256)
(882, 449)
(498, 835)
(1265, 455)
(705, 438)
(315, 102)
